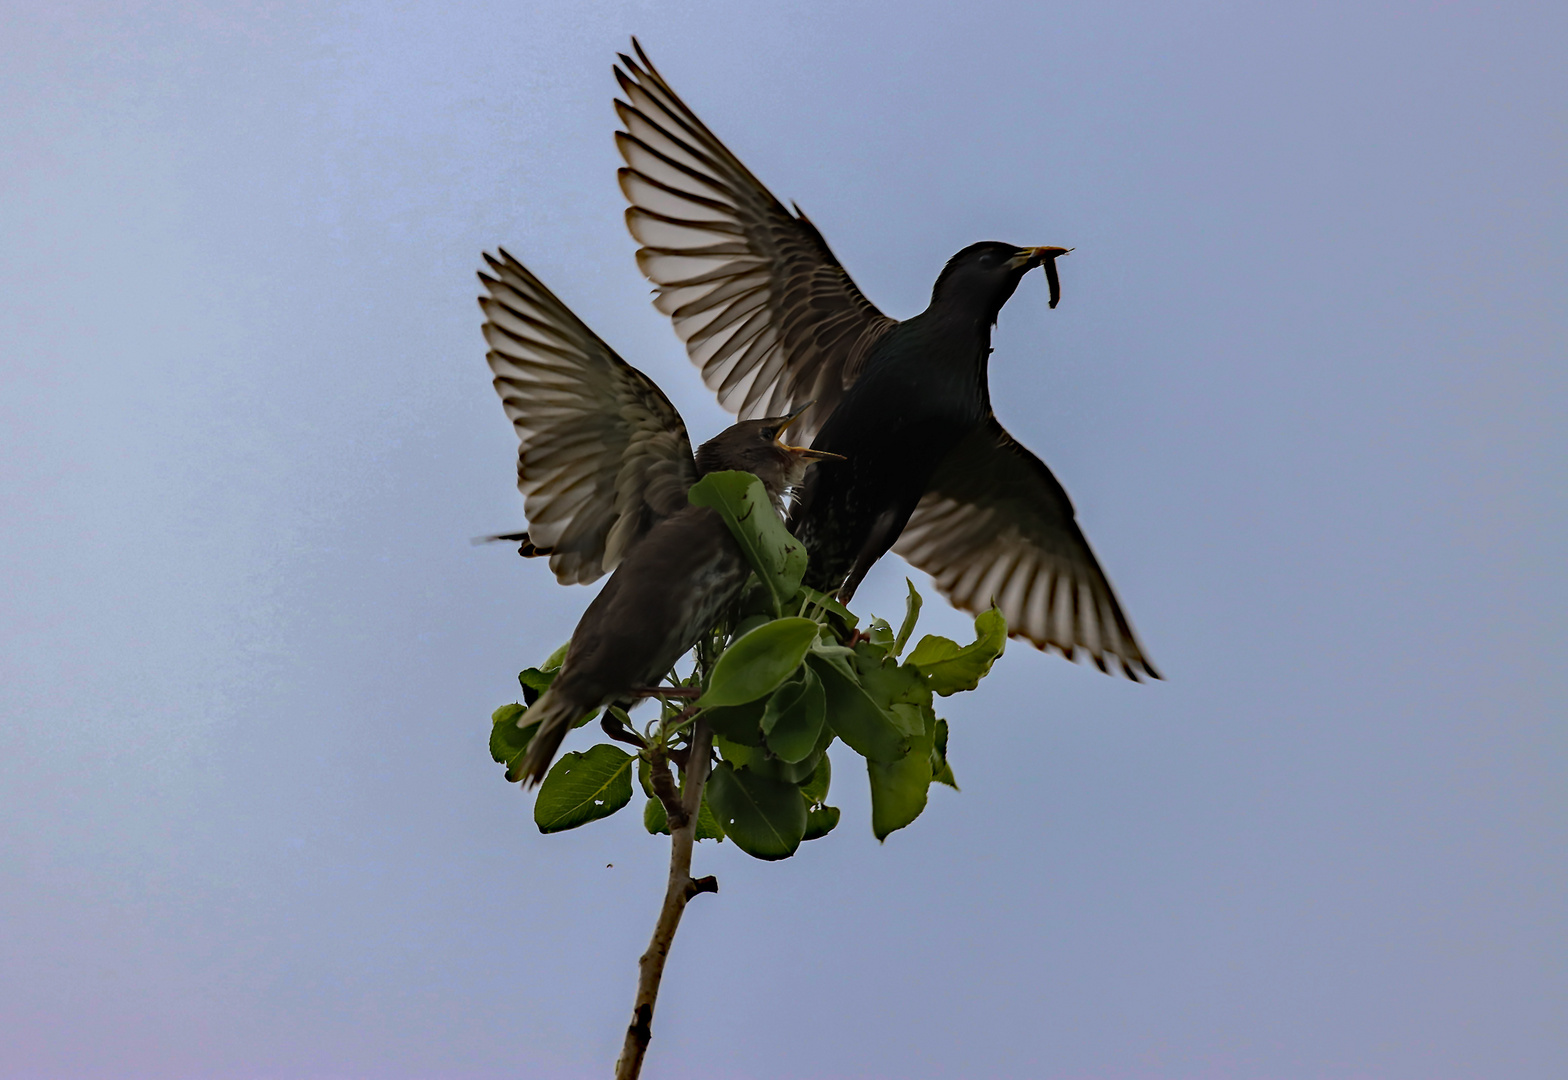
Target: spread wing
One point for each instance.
(995, 524)
(764, 308)
(603, 454)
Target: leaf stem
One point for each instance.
(678, 892)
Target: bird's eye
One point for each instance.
(770, 433)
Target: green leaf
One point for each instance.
(899, 788)
(911, 614)
(508, 742)
(708, 827)
(554, 661)
(738, 754)
(792, 722)
(898, 791)
(584, 787)
(857, 719)
(534, 683)
(654, 819)
(738, 723)
(758, 760)
(740, 498)
(880, 634)
(949, 667)
(827, 603)
(815, 789)
(757, 663)
(820, 821)
(766, 818)
(900, 689)
(941, 771)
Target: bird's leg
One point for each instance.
(679, 891)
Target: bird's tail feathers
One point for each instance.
(556, 714)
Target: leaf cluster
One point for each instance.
(789, 672)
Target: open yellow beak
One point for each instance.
(803, 451)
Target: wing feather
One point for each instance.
(602, 452)
(766, 311)
(996, 526)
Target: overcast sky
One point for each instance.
(1306, 386)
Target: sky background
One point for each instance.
(1306, 386)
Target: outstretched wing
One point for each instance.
(603, 454)
(764, 308)
(995, 525)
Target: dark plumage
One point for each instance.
(605, 464)
(776, 324)
(922, 388)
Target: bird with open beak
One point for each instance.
(604, 466)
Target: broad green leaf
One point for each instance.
(656, 821)
(911, 615)
(792, 721)
(857, 719)
(949, 667)
(880, 634)
(757, 663)
(535, 682)
(758, 760)
(508, 742)
(898, 791)
(898, 688)
(708, 827)
(738, 723)
(738, 754)
(941, 771)
(815, 789)
(584, 787)
(554, 661)
(791, 772)
(777, 557)
(820, 821)
(765, 818)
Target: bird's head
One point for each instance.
(984, 275)
(758, 447)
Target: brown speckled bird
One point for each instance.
(604, 466)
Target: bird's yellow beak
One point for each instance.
(1030, 257)
(803, 451)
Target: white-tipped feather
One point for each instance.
(995, 525)
(766, 311)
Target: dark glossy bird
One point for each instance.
(775, 324)
(604, 466)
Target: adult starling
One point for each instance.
(774, 322)
(604, 467)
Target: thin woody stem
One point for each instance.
(679, 891)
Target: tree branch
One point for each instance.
(680, 889)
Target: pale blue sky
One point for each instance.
(1306, 386)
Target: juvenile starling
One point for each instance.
(775, 322)
(604, 467)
